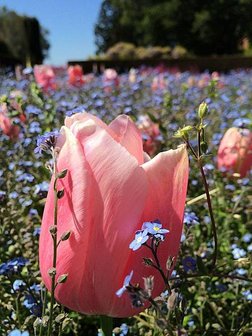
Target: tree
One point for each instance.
(23, 37)
(203, 27)
(118, 21)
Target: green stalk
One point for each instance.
(43, 300)
(18, 312)
(106, 325)
(210, 210)
(54, 237)
(207, 192)
(158, 267)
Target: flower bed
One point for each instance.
(206, 271)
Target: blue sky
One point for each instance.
(70, 23)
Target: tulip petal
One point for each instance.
(84, 116)
(129, 136)
(167, 177)
(79, 210)
(105, 193)
(122, 186)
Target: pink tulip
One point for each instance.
(111, 78)
(75, 74)
(109, 192)
(6, 124)
(235, 151)
(45, 77)
(150, 133)
(158, 83)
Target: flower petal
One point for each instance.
(129, 136)
(105, 191)
(167, 177)
(84, 116)
(80, 210)
(235, 151)
(122, 187)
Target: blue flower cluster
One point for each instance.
(17, 332)
(190, 218)
(13, 266)
(31, 296)
(149, 229)
(46, 142)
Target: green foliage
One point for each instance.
(22, 38)
(202, 27)
(127, 51)
(121, 50)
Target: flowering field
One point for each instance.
(112, 242)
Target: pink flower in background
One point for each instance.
(59, 71)
(109, 193)
(158, 83)
(15, 105)
(206, 78)
(6, 124)
(89, 78)
(45, 77)
(132, 75)
(235, 151)
(111, 78)
(150, 134)
(75, 75)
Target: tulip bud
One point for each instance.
(106, 200)
(235, 152)
(203, 109)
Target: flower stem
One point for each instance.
(158, 266)
(18, 312)
(106, 325)
(210, 209)
(198, 157)
(43, 300)
(54, 237)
